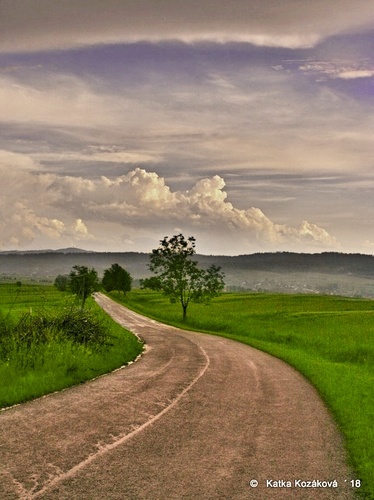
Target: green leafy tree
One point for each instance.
(117, 278)
(61, 282)
(179, 276)
(153, 283)
(83, 282)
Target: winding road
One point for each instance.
(196, 417)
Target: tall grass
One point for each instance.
(328, 339)
(47, 343)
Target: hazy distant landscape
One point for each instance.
(324, 273)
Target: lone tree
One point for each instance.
(179, 277)
(117, 278)
(83, 282)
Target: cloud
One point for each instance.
(57, 99)
(208, 207)
(32, 25)
(368, 247)
(21, 225)
(80, 228)
(355, 73)
(138, 200)
(341, 70)
(253, 117)
(9, 158)
(74, 127)
(27, 207)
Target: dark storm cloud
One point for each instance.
(43, 25)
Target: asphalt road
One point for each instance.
(196, 417)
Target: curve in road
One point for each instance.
(196, 417)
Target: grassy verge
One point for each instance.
(328, 339)
(47, 344)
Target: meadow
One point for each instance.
(47, 343)
(328, 339)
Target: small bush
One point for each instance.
(82, 327)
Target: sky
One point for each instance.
(247, 124)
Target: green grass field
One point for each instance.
(329, 339)
(38, 358)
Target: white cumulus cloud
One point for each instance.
(138, 200)
(143, 199)
(27, 205)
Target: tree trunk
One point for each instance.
(184, 306)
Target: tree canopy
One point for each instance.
(153, 283)
(61, 282)
(116, 278)
(83, 282)
(179, 277)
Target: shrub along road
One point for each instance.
(196, 417)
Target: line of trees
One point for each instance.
(176, 274)
(83, 281)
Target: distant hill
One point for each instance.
(47, 251)
(326, 262)
(47, 265)
(328, 272)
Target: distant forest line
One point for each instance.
(327, 272)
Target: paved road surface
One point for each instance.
(196, 417)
